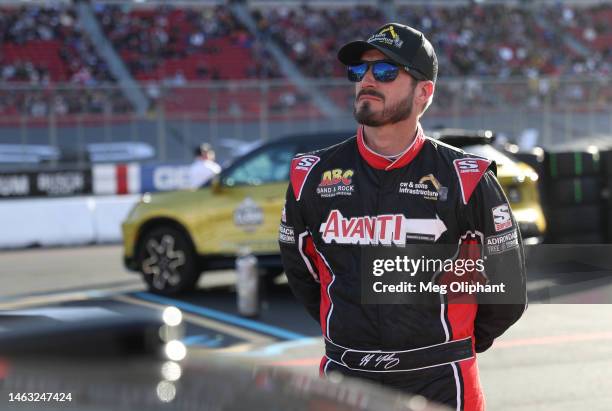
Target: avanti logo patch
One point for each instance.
(383, 229)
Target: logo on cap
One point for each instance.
(381, 37)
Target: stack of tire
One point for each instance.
(573, 197)
(606, 160)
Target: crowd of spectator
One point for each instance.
(49, 26)
(62, 101)
(497, 40)
(311, 36)
(171, 46)
(43, 46)
(503, 41)
(147, 38)
(25, 72)
(591, 28)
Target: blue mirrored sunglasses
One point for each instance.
(383, 70)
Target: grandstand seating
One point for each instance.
(46, 41)
(228, 63)
(246, 103)
(593, 27)
(39, 53)
(43, 45)
(311, 37)
(193, 44)
(471, 40)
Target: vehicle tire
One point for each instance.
(607, 191)
(606, 161)
(575, 191)
(167, 261)
(575, 220)
(588, 238)
(609, 222)
(572, 164)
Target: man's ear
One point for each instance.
(427, 89)
(424, 94)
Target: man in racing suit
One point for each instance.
(390, 187)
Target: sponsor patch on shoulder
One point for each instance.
(336, 182)
(501, 217)
(300, 168)
(470, 171)
(500, 243)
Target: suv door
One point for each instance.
(253, 193)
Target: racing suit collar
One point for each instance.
(383, 163)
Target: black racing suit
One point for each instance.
(346, 197)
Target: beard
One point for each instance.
(389, 115)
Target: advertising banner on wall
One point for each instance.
(164, 177)
(45, 183)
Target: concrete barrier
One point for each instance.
(27, 221)
(63, 221)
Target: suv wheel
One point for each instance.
(168, 261)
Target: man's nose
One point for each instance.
(368, 79)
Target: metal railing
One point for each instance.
(183, 115)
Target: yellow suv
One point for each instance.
(172, 237)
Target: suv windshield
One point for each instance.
(268, 165)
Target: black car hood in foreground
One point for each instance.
(119, 362)
(195, 384)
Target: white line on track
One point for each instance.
(61, 297)
(238, 332)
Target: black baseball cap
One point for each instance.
(400, 43)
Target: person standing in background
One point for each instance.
(204, 167)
